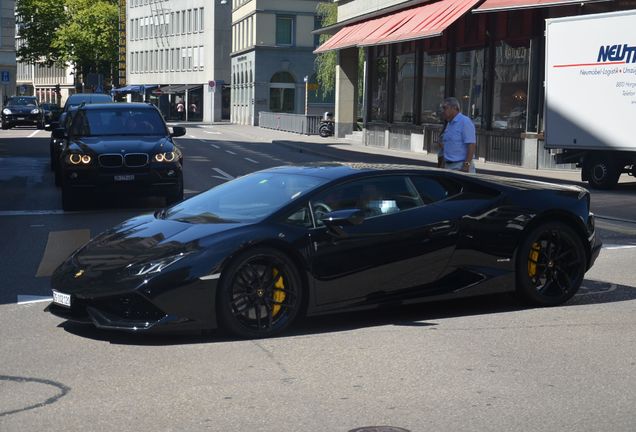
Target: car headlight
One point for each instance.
(155, 266)
(35, 111)
(77, 159)
(166, 157)
(6, 111)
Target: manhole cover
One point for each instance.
(379, 429)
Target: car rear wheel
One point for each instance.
(260, 294)
(551, 264)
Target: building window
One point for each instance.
(404, 100)
(282, 92)
(469, 80)
(284, 30)
(201, 19)
(510, 98)
(433, 78)
(378, 83)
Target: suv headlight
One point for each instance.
(6, 111)
(78, 159)
(35, 111)
(166, 157)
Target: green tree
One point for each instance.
(38, 22)
(81, 32)
(89, 37)
(326, 62)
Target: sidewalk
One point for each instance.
(316, 145)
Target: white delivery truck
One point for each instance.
(590, 94)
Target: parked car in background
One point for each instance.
(125, 147)
(22, 111)
(52, 112)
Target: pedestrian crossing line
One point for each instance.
(27, 299)
(59, 246)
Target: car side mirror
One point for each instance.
(178, 131)
(335, 220)
(58, 133)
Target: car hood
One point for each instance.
(123, 144)
(142, 239)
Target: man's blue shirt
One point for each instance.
(459, 133)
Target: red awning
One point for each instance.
(504, 5)
(420, 22)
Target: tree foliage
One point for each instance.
(83, 32)
(326, 62)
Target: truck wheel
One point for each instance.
(602, 172)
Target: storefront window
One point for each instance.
(469, 80)
(195, 106)
(379, 79)
(404, 101)
(510, 97)
(433, 78)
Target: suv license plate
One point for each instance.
(127, 177)
(61, 299)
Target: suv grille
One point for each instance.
(136, 159)
(110, 160)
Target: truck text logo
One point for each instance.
(615, 53)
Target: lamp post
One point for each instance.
(306, 79)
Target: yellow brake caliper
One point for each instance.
(279, 292)
(533, 259)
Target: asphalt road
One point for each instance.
(481, 364)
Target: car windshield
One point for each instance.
(111, 122)
(21, 101)
(245, 199)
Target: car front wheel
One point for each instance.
(260, 294)
(551, 264)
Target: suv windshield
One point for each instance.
(21, 101)
(105, 122)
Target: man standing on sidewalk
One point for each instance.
(459, 139)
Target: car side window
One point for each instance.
(376, 196)
(432, 188)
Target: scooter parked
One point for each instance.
(327, 125)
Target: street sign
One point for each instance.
(4, 76)
(212, 84)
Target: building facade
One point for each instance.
(272, 57)
(489, 54)
(7, 50)
(178, 53)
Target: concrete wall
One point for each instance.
(356, 8)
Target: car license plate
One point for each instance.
(126, 177)
(21, 118)
(61, 298)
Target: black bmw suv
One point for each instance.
(124, 147)
(22, 111)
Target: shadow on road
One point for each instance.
(422, 315)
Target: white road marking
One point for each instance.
(26, 299)
(230, 152)
(33, 134)
(30, 212)
(212, 133)
(251, 160)
(616, 247)
(224, 175)
(36, 226)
